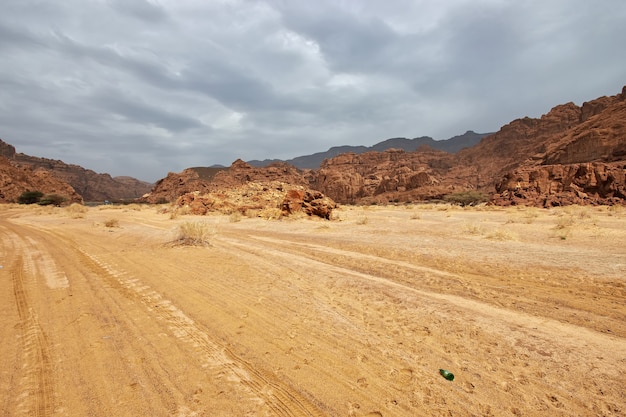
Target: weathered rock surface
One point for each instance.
(16, 180)
(265, 199)
(378, 176)
(534, 160)
(205, 180)
(312, 203)
(584, 164)
(592, 183)
(89, 184)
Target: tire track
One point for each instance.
(259, 385)
(37, 392)
(261, 248)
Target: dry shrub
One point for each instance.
(473, 229)
(195, 234)
(415, 216)
(501, 234)
(564, 222)
(76, 211)
(235, 217)
(112, 223)
(362, 221)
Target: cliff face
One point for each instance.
(89, 184)
(16, 180)
(377, 176)
(585, 164)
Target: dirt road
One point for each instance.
(103, 316)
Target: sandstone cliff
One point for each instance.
(16, 180)
(584, 164)
(89, 184)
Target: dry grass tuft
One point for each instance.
(112, 223)
(195, 234)
(473, 229)
(76, 211)
(501, 234)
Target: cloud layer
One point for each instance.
(140, 87)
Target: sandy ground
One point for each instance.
(103, 316)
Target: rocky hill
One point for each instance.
(206, 180)
(16, 180)
(572, 154)
(89, 184)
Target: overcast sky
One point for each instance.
(144, 87)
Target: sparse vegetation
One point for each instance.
(30, 197)
(76, 211)
(501, 234)
(195, 234)
(112, 223)
(51, 200)
(473, 229)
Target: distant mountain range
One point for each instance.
(452, 145)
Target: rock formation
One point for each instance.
(204, 180)
(16, 180)
(271, 199)
(380, 176)
(583, 164)
(89, 184)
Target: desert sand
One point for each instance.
(104, 314)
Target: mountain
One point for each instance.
(89, 184)
(16, 180)
(570, 155)
(314, 161)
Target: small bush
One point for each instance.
(76, 211)
(195, 234)
(112, 223)
(51, 200)
(467, 198)
(30, 197)
(473, 229)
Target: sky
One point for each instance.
(146, 87)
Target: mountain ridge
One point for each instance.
(314, 161)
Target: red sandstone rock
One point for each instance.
(16, 180)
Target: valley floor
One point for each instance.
(102, 315)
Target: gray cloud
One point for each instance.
(144, 87)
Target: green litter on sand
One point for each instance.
(446, 374)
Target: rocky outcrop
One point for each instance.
(205, 180)
(584, 164)
(16, 180)
(377, 176)
(312, 203)
(168, 189)
(592, 183)
(89, 184)
(264, 199)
